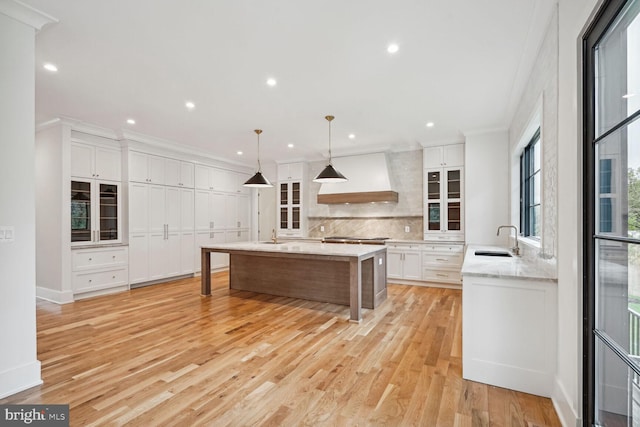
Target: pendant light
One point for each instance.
(257, 180)
(329, 174)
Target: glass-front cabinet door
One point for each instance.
(290, 206)
(443, 199)
(95, 212)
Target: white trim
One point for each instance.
(51, 295)
(20, 378)
(566, 412)
(534, 243)
(26, 14)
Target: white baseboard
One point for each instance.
(567, 414)
(59, 297)
(20, 378)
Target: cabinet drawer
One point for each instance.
(447, 276)
(452, 260)
(444, 249)
(84, 259)
(91, 281)
(404, 246)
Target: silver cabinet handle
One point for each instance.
(441, 259)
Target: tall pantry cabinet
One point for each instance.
(161, 215)
(79, 213)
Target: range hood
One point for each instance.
(368, 181)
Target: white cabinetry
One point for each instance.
(404, 261)
(145, 167)
(78, 199)
(161, 233)
(93, 161)
(179, 173)
(443, 156)
(442, 263)
(96, 270)
(444, 193)
(291, 193)
(509, 326)
(222, 211)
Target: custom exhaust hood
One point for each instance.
(368, 181)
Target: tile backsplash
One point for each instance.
(391, 227)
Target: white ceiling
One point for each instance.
(462, 64)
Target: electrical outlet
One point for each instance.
(407, 229)
(322, 228)
(6, 234)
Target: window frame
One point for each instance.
(527, 194)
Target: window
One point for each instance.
(530, 179)
(611, 258)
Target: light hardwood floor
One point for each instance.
(165, 356)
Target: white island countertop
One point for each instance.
(514, 267)
(302, 248)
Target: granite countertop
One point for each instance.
(504, 267)
(309, 248)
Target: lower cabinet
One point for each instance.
(155, 256)
(404, 261)
(99, 270)
(425, 262)
(442, 263)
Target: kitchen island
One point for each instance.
(353, 275)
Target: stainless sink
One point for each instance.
(504, 254)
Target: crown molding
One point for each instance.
(26, 14)
(485, 131)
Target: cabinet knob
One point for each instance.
(90, 280)
(90, 259)
(114, 257)
(113, 277)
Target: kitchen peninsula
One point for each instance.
(353, 275)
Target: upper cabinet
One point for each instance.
(292, 206)
(444, 193)
(444, 156)
(92, 161)
(179, 173)
(146, 168)
(291, 172)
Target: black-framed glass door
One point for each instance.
(612, 216)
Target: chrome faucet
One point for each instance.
(274, 239)
(515, 249)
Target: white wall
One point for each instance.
(486, 183)
(19, 367)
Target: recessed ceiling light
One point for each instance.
(50, 67)
(430, 124)
(272, 82)
(352, 136)
(240, 153)
(290, 145)
(131, 121)
(190, 105)
(392, 48)
(628, 95)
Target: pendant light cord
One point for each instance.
(329, 119)
(258, 132)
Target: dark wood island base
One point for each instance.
(356, 277)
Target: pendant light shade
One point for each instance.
(329, 173)
(258, 180)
